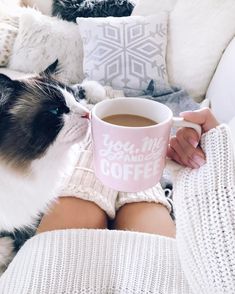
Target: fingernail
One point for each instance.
(198, 159)
(193, 164)
(184, 112)
(193, 142)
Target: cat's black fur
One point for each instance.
(71, 9)
(24, 147)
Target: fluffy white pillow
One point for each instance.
(199, 31)
(124, 52)
(148, 7)
(43, 39)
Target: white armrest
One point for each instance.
(221, 91)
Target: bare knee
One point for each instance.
(145, 217)
(71, 213)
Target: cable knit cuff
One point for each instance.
(218, 147)
(154, 194)
(204, 205)
(84, 185)
(220, 165)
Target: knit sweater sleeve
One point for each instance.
(205, 217)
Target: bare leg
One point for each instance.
(145, 217)
(71, 212)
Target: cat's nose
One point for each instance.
(86, 115)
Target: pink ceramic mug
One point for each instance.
(132, 159)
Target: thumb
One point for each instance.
(203, 117)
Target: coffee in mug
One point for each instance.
(129, 120)
(130, 158)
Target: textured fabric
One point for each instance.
(124, 52)
(97, 262)
(199, 31)
(175, 98)
(84, 184)
(200, 260)
(205, 214)
(43, 39)
(154, 194)
(8, 33)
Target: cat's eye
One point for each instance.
(59, 110)
(55, 111)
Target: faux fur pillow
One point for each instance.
(8, 33)
(43, 39)
(124, 52)
(199, 32)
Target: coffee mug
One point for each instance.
(132, 159)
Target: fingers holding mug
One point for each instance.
(184, 148)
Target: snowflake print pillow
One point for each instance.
(124, 52)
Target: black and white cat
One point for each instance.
(40, 124)
(70, 10)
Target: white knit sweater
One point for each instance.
(200, 260)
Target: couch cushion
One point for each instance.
(147, 7)
(125, 52)
(199, 31)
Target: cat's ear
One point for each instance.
(52, 69)
(7, 86)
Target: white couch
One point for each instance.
(221, 91)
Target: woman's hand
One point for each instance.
(184, 147)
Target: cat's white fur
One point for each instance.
(94, 91)
(24, 196)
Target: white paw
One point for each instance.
(94, 91)
(6, 253)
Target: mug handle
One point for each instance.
(179, 122)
